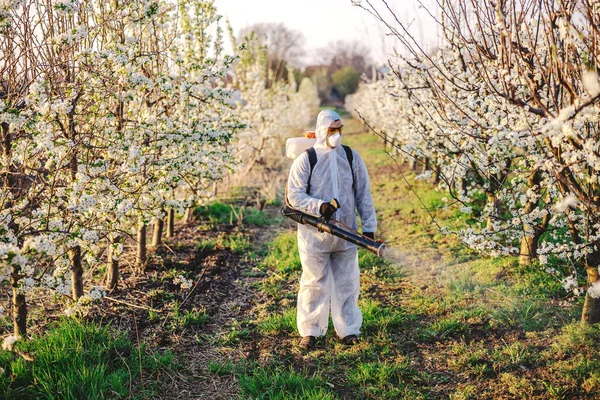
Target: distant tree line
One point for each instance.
(336, 68)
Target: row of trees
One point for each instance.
(506, 115)
(115, 115)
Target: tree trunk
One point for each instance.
(189, 214)
(531, 235)
(529, 245)
(493, 200)
(412, 164)
(157, 234)
(112, 265)
(170, 223)
(591, 307)
(141, 246)
(76, 272)
(19, 306)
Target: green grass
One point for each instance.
(283, 384)
(378, 319)
(283, 322)
(81, 360)
(236, 242)
(385, 380)
(224, 213)
(188, 318)
(282, 254)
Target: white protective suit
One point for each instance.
(330, 274)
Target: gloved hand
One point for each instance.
(328, 209)
(370, 235)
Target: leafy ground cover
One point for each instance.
(439, 320)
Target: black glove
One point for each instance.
(328, 209)
(370, 235)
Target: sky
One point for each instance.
(324, 21)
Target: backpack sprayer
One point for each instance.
(335, 228)
(295, 147)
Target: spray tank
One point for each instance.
(335, 228)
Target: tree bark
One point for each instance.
(170, 223)
(493, 200)
(112, 267)
(412, 164)
(591, 307)
(157, 234)
(188, 216)
(76, 272)
(19, 306)
(532, 233)
(141, 246)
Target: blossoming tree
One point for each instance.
(509, 105)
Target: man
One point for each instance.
(339, 185)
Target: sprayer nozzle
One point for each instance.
(381, 250)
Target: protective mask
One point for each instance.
(335, 140)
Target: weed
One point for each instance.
(444, 328)
(519, 387)
(253, 216)
(473, 359)
(531, 315)
(282, 384)
(466, 392)
(280, 322)
(216, 212)
(236, 333)
(385, 380)
(283, 254)
(206, 245)
(236, 242)
(187, 318)
(160, 296)
(555, 391)
(513, 355)
(377, 318)
(221, 369)
(222, 213)
(77, 360)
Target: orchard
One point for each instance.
(143, 169)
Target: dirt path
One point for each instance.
(211, 323)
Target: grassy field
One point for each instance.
(439, 320)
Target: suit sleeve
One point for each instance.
(296, 187)
(363, 197)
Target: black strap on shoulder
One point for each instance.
(350, 158)
(312, 159)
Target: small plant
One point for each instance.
(377, 318)
(513, 355)
(235, 242)
(283, 254)
(235, 334)
(283, 384)
(447, 327)
(221, 369)
(187, 318)
(531, 315)
(473, 359)
(280, 322)
(216, 212)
